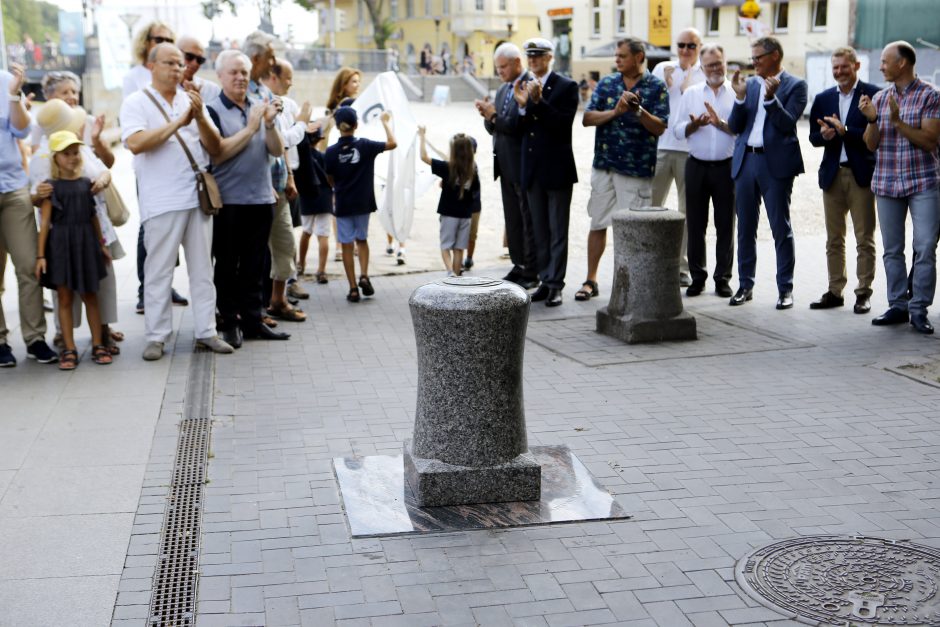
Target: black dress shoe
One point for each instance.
(827, 301)
(541, 294)
(554, 298)
(741, 296)
(264, 332)
(178, 299)
(233, 335)
(892, 316)
(695, 289)
(527, 284)
(512, 277)
(723, 290)
(862, 305)
(921, 324)
(785, 301)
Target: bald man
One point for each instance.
(194, 57)
(673, 150)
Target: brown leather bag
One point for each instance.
(207, 190)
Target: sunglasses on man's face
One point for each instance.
(682, 44)
(161, 40)
(190, 57)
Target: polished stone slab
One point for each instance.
(575, 338)
(378, 503)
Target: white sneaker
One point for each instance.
(153, 351)
(215, 344)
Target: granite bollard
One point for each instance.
(645, 301)
(469, 443)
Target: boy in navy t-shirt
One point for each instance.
(350, 166)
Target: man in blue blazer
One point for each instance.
(845, 174)
(766, 159)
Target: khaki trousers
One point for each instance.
(670, 166)
(281, 241)
(843, 197)
(18, 236)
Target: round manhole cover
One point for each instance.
(845, 580)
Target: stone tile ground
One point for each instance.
(714, 455)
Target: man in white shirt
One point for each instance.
(672, 150)
(702, 123)
(166, 188)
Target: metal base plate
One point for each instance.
(845, 580)
(378, 502)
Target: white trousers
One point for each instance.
(163, 235)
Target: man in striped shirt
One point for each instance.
(904, 128)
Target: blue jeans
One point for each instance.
(925, 216)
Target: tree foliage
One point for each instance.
(35, 18)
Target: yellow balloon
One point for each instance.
(750, 9)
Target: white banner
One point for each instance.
(404, 180)
(114, 46)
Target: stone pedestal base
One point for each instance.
(633, 331)
(435, 483)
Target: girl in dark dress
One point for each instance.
(72, 254)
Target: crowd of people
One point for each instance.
(226, 171)
(730, 144)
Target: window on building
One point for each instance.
(393, 9)
(478, 5)
(781, 17)
(409, 8)
(620, 17)
(445, 7)
(427, 8)
(595, 18)
(713, 23)
(820, 8)
(502, 5)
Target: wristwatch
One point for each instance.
(875, 121)
(639, 112)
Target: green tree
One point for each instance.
(382, 27)
(30, 17)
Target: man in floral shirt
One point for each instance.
(630, 109)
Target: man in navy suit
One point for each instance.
(845, 174)
(547, 104)
(501, 120)
(766, 160)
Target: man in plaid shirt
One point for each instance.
(903, 130)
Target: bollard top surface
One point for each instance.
(479, 293)
(648, 214)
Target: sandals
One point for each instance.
(353, 295)
(366, 286)
(587, 294)
(113, 348)
(117, 336)
(321, 278)
(101, 355)
(68, 360)
(288, 313)
(268, 321)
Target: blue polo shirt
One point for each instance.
(351, 163)
(623, 144)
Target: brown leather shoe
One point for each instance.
(828, 301)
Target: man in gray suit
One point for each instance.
(501, 119)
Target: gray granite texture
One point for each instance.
(469, 428)
(645, 303)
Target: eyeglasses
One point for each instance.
(758, 57)
(161, 40)
(190, 57)
(682, 45)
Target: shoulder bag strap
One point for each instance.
(179, 139)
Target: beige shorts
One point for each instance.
(611, 191)
(317, 224)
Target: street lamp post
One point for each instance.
(129, 19)
(509, 30)
(437, 34)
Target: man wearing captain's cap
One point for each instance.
(547, 107)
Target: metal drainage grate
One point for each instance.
(175, 581)
(845, 580)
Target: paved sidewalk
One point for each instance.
(774, 424)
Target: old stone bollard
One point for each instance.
(645, 303)
(469, 443)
